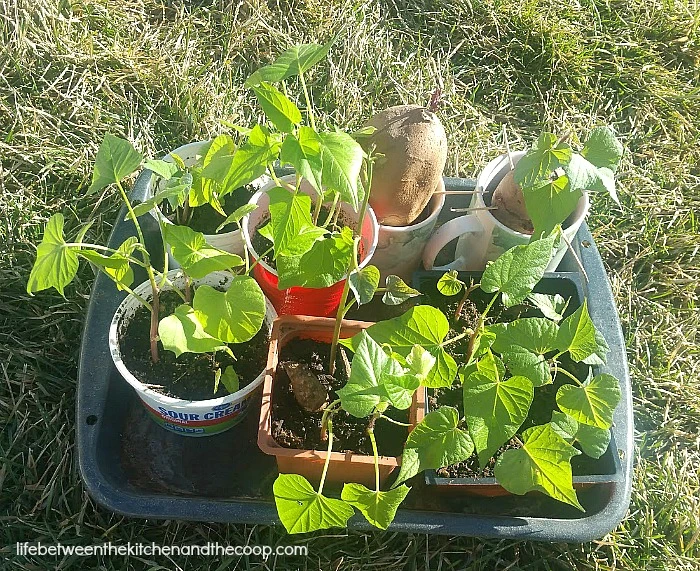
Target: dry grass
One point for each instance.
(167, 73)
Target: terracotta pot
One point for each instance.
(343, 467)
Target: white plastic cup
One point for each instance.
(186, 417)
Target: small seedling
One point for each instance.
(552, 178)
(205, 323)
(504, 365)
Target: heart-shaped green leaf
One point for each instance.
(371, 368)
(116, 266)
(436, 441)
(303, 152)
(516, 272)
(379, 508)
(579, 337)
(278, 108)
(234, 316)
(593, 403)
(603, 148)
(56, 263)
(303, 509)
(235, 169)
(421, 325)
(290, 214)
(116, 159)
(542, 464)
(217, 160)
(397, 291)
(551, 204)
(341, 157)
(594, 441)
(545, 156)
(363, 283)
(164, 169)
(327, 262)
(196, 257)
(495, 409)
(523, 343)
(182, 332)
(449, 284)
(294, 61)
(551, 306)
(204, 191)
(536, 334)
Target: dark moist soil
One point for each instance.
(205, 219)
(544, 401)
(293, 427)
(189, 376)
(262, 244)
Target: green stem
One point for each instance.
(317, 210)
(165, 253)
(155, 301)
(566, 373)
(245, 250)
(309, 108)
(277, 180)
(488, 307)
(342, 309)
(394, 421)
(328, 456)
(336, 198)
(352, 267)
(455, 339)
(260, 257)
(330, 410)
(376, 457)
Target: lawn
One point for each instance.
(166, 73)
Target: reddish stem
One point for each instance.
(155, 311)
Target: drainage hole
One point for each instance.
(91, 420)
(586, 244)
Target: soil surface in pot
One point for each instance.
(261, 244)
(294, 427)
(189, 376)
(205, 219)
(544, 401)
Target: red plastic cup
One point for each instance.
(320, 302)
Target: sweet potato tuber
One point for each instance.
(414, 146)
(510, 205)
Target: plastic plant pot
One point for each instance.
(343, 467)
(321, 302)
(607, 468)
(186, 417)
(231, 241)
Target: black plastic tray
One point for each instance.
(133, 467)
